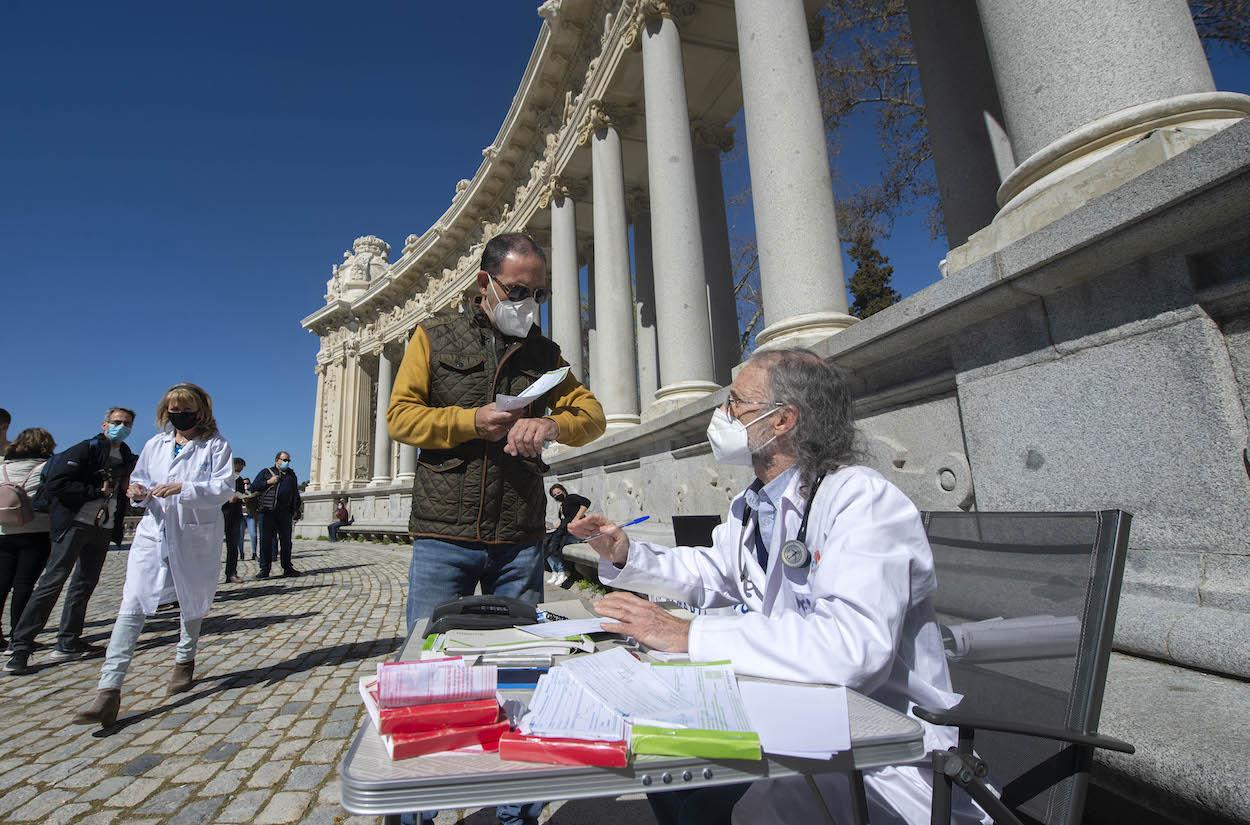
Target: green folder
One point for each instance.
(699, 742)
(705, 744)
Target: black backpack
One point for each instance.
(40, 502)
(480, 613)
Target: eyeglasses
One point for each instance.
(519, 292)
(732, 401)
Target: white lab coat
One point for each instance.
(185, 530)
(860, 615)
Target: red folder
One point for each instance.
(518, 747)
(417, 718)
(407, 745)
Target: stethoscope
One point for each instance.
(794, 553)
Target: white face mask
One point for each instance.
(514, 317)
(728, 437)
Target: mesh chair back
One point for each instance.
(1054, 581)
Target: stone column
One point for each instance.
(592, 349)
(356, 432)
(343, 405)
(407, 464)
(566, 294)
(971, 152)
(644, 302)
(314, 456)
(616, 384)
(709, 141)
(801, 278)
(381, 438)
(1078, 80)
(685, 337)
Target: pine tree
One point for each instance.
(870, 285)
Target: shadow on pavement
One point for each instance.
(214, 625)
(268, 676)
(262, 590)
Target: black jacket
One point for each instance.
(75, 477)
(287, 498)
(233, 510)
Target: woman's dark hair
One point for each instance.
(500, 246)
(35, 442)
(824, 438)
(554, 487)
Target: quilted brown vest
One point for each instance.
(475, 491)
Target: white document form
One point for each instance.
(561, 707)
(714, 688)
(545, 384)
(568, 627)
(809, 721)
(438, 680)
(632, 690)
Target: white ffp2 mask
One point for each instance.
(728, 437)
(514, 317)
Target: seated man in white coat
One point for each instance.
(852, 608)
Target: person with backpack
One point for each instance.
(24, 539)
(83, 493)
(280, 505)
(184, 475)
(232, 512)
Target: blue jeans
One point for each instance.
(250, 523)
(441, 571)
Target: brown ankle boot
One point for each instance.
(103, 711)
(180, 680)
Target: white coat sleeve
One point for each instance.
(860, 594)
(699, 576)
(217, 489)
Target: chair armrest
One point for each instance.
(955, 717)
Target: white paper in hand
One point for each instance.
(545, 384)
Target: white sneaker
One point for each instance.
(558, 579)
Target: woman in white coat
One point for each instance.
(183, 477)
(854, 607)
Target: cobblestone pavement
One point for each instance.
(259, 736)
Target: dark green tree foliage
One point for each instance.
(870, 285)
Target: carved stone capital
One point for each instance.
(550, 11)
(705, 134)
(597, 118)
(561, 186)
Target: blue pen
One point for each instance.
(638, 520)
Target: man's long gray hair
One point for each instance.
(824, 437)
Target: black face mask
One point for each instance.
(184, 420)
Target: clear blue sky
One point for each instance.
(177, 181)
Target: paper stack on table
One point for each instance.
(432, 706)
(810, 721)
(507, 646)
(566, 724)
(723, 729)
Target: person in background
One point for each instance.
(85, 491)
(184, 475)
(232, 512)
(280, 506)
(571, 507)
(251, 511)
(5, 421)
(341, 519)
(24, 548)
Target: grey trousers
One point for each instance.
(125, 636)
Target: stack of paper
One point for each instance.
(431, 727)
(566, 724)
(632, 689)
(809, 721)
(506, 646)
(434, 680)
(722, 731)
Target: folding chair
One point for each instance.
(1027, 604)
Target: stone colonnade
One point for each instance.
(663, 329)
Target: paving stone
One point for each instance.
(141, 764)
(243, 732)
(224, 783)
(167, 801)
(247, 758)
(287, 806)
(324, 815)
(84, 778)
(134, 793)
(243, 807)
(222, 751)
(108, 788)
(197, 772)
(306, 777)
(54, 774)
(16, 797)
(67, 813)
(37, 809)
(291, 746)
(199, 812)
(323, 751)
(99, 818)
(269, 775)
